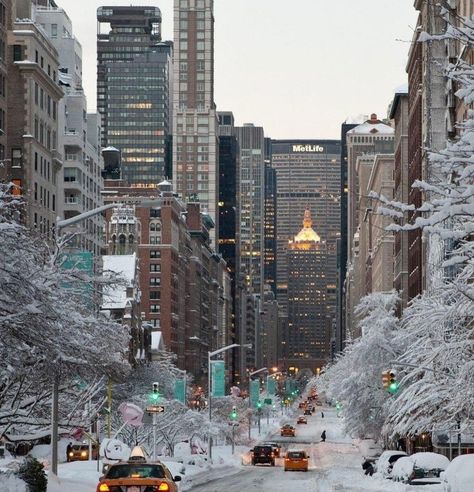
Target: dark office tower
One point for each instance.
(228, 248)
(342, 242)
(310, 303)
(195, 138)
(133, 90)
(308, 176)
(270, 232)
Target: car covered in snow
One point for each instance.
(420, 468)
(385, 463)
(459, 475)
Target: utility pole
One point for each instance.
(154, 436)
(54, 425)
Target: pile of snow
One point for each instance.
(459, 475)
(11, 483)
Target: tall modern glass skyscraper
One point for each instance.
(133, 90)
(195, 136)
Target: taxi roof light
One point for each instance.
(163, 487)
(103, 487)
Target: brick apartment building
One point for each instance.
(184, 284)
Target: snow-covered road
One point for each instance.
(335, 465)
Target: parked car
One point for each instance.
(263, 455)
(275, 446)
(420, 468)
(296, 460)
(80, 452)
(386, 461)
(459, 475)
(302, 420)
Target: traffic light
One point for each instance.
(338, 405)
(259, 405)
(155, 394)
(233, 414)
(385, 379)
(393, 383)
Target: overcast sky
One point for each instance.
(296, 67)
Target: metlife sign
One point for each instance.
(312, 149)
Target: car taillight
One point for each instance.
(163, 487)
(103, 487)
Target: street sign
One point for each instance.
(155, 409)
(180, 390)
(271, 386)
(218, 378)
(267, 401)
(254, 392)
(235, 424)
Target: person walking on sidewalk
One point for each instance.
(323, 436)
(322, 415)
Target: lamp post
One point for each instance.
(60, 224)
(209, 389)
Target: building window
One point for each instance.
(155, 281)
(155, 295)
(154, 308)
(17, 52)
(155, 253)
(155, 268)
(54, 30)
(16, 157)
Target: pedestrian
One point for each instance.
(68, 450)
(323, 436)
(368, 467)
(322, 415)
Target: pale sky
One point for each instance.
(298, 68)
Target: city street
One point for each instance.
(334, 465)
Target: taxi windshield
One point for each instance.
(136, 471)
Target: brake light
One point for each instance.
(103, 487)
(163, 487)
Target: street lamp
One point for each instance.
(209, 391)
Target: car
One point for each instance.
(307, 411)
(263, 454)
(387, 459)
(137, 474)
(420, 468)
(275, 446)
(302, 420)
(80, 452)
(459, 475)
(296, 460)
(287, 431)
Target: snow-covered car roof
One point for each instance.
(460, 473)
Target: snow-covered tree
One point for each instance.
(436, 390)
(355, 378)
(47, 329)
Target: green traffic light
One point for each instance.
(393, 387)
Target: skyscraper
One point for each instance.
(195, 139)
(133, 90)
(251, 193)
(308, 177)
(310, 302)
(270, 231)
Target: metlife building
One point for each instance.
(308, 176)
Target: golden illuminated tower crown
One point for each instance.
(307, 236)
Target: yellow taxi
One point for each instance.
(137, 475)
(287, 431)
(296, 460)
